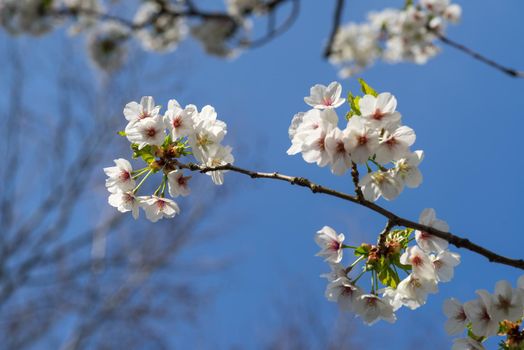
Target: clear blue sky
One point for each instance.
(468, 119)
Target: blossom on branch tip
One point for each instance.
(148, 131)
(331, 244)
(345, 293)
(120, 177)
(179, 120)
(406, 169)
(457, 319)
(135, 112)
(178, 183)
(444, 264)
(427, 241)
(480, 313)
(380, 112)
(322, 97)
(372, 308)
(220, 155)
(157, 208)
(124, 202)
(467, 344)
(380, 184)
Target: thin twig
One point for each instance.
(337, 18)
(509, 71)
(393, 219)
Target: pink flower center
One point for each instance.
(160, 204)
(417, 261)
(151, 132)
(182, 181)
(321, 144)
(125, 175)
(392, 142)
(335, 245)
(144, 115)
(362, 140)
(340, 147)
(177, 122)
(327, 101)
(378, 115)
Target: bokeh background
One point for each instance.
(237, 269)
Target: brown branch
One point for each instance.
(509, 71)
(393, 219)
(337, 18)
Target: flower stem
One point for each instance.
(142, 181)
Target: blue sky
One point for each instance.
(468, 120)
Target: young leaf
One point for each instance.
(122, 133)
(366, 89)
(144, 153)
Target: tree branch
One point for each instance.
(393, 219)
(509, 71)
(337, 18)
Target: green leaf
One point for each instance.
(366, 89)
(362, 250)
(167, 141)
(145, 153)
(353, 103)
(389, 277)
(121, 133)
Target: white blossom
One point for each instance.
(406, 169)
(335, 144)
(457, 319)
(304, 125)
(380, 112)
(135, 112)
(420, 261)
(344, 293)
(481, 314)
(213, 34)
(414, 289)
(179, 120)
(178, 183)
(120, 176)
(148, 131)
(207, 135)
(217, 156)
(371, 309)
(124, 202)
(165, 31)
(322, 97)
(508, 303)
(337, 271)
(380, 183)
(361, 140)
(331, 244)
(427, 241)
(105, 45)
(157, 208)
(395, 144)
(467, 344)
(444, 264)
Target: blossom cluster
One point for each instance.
(499, 313)
(161, 141)
(425, 264)
(158, 26)
(394, 35)
(373, 136)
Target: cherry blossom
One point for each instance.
(135, 112)
(342, 291)
(457, 319)
(508, 303)
(331, 244)
(394, 145)
(322, 97)
(467, 344)
(481, 314)
(157, 208)
(371, 309)
(380, 112)
(420, 261)
(427, 241)
(406, 169)
(148, 131)
(120, 177)
(444, 264)
(335, 144)
(124, 202)
(380, 184)
(178, 183)
(179, 120)
(361, 140)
